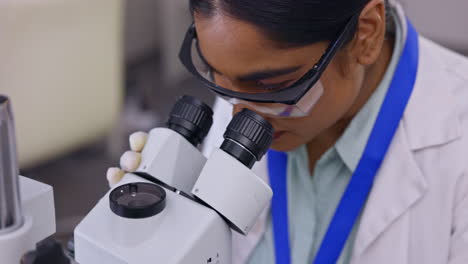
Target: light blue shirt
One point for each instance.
(312, 199)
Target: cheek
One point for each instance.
(341, 90)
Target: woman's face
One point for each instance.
(242, 57)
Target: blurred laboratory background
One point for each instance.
(84, 74)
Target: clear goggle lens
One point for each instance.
(300, 109)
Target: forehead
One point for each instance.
(222, 32)
(225, 27)
(225, 41)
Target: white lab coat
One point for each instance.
(417, 211)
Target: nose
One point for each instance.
(237, 108)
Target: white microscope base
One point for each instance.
(39, 221)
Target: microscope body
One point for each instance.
(185, 232)
(189, 230)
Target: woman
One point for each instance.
(371, 117)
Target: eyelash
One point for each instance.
(272, 87)
(266, 87)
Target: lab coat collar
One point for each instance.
(399, 184)
(441, 126)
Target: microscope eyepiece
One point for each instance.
(247, 137)
(191, 118)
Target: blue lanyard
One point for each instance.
(361, 182)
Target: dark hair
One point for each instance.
(289, 22)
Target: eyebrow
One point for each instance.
(257, 75)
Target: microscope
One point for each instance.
(180, 207)
(27, 213)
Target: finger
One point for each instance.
(130, 161)
(114, 175)
(138, 141)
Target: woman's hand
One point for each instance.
(130, 160)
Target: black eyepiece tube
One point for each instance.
(191, 118)
(248, 137)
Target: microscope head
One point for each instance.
(143, 221)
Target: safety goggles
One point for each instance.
(295, 100)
